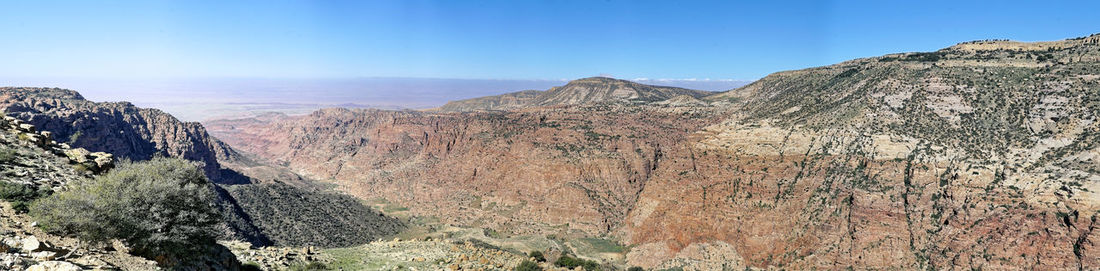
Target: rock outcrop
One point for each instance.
(118, 128)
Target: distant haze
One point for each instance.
(199, 99)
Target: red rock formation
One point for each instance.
(983, 158)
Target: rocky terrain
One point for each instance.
(577, 92)
(39, 163)
(118, 128)
(982, 155)
(564, 171)
(307, 215)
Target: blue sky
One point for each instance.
(498, 39)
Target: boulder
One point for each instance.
(44, 255)
(26, 128)
(31, 244)
(54, 266)
(103, 160)
(77, 155)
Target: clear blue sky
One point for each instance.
(498, 39)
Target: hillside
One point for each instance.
(130, 132)
(577, 92)
(505, 101)
(981, 155)
(118, 128)
(31, 161)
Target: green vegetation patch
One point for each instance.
(162, 208)
(20, 196)
(603, 245)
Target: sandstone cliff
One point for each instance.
(982, 155)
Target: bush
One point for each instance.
(635, 268)
(20, 196)
(251, 266)
(570, 262)
(537, 255)
(7, 155)
(162, 208)
(311, 266)
(527, 265)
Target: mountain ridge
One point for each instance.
(581, 91)
(930, 160)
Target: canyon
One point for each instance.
(980, 155)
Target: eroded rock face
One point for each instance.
(525, 171)
(911, 161)
(969, 157)
(118, 128)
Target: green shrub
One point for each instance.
(570, 262)
(162, 208)
(635, 268)
(20, 196)
(537, 255)
(311, 266)
(7, 155)
(527, 265)
(251, 266)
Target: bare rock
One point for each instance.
(27, 128)
(31, 244)
(54, 266)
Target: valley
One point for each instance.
(982, 155)
(979, 155)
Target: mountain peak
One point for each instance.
(603, 89)
(581, 91)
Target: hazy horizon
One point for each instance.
(197, 99)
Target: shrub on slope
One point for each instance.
(162, 208)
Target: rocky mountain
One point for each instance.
(118, 128)
(505, 101)
(563, 170)
(577, 92)
(130, 132)
(982, 155)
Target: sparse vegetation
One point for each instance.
(571, 262)
(19, 195)
(310, 266)
(528, 266)
(163, 208)
(537, 255)
(75, 136)
(7, 155)
(251, 266)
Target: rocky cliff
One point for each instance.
(982, 155)
(576, 169)
(130, 132)
(577, 92)
(119, 128)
